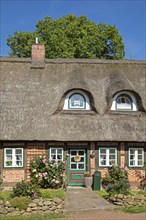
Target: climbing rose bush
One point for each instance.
(116, 181)
(46, 173)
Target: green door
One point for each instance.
(76, 164)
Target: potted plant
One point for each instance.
(88, 179)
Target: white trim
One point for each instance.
(77, 164)
(134, 103)
(107, 155)
(136, 157)
(13, 157)
(56, 153)
(87, 106)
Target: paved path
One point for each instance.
(85, 204)
(84, 199)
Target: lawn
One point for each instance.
(33, 217)
(136, 209)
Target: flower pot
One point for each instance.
(88, 182)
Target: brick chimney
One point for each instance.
(38, 52)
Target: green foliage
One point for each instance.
(135, 209)
(5, 194)
(142, 178)
(47, 193)
(70, 37)
(24, 189)
(116, 181)
(20, 202)
(46, 173)
(34, 217)
(102, 193)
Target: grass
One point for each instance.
(102, 193)
(44, 193)
(135, 209)
(4, 194)
(52, 193)
(142, 192)
(33, 217)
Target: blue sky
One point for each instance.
(127, 15)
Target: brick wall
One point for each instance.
(13, 176)
(33, 150)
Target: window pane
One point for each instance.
(73, 166)
(8, 151)
(81, 166)
(132, 151)
(112, 162)
(124, 101)
(73, 152)
(77, 101)
(53, 157)
(18, 151)
(102, 151)
(112, 151)
(140, 151)
(53, 151)
(102, 160)
(139, 157)
(59, 157)
(82, 159)
(81, 152)
(59, 151)
(140, 163)
(132, 157)
(132, 162)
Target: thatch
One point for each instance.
(32, 100)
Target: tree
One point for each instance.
(70, 37)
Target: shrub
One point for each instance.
(24, 189)
(142, 178)
(46, 173)
(20, 202)
(116, 181)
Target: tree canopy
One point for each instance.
(70, 37)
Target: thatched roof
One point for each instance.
(32, 98)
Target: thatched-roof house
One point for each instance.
(91, 108)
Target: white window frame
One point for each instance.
(67, 99)
(13, 160)
(107, 156)
(56, 153)
(114, 103)
(136, 157)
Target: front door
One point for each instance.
(76, 164)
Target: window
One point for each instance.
(56, 154)
(136, 157)
(124, 101)
(76, 100)
(107, 156)
(13, 157)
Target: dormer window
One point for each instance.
(124, 101)
(76, 100)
